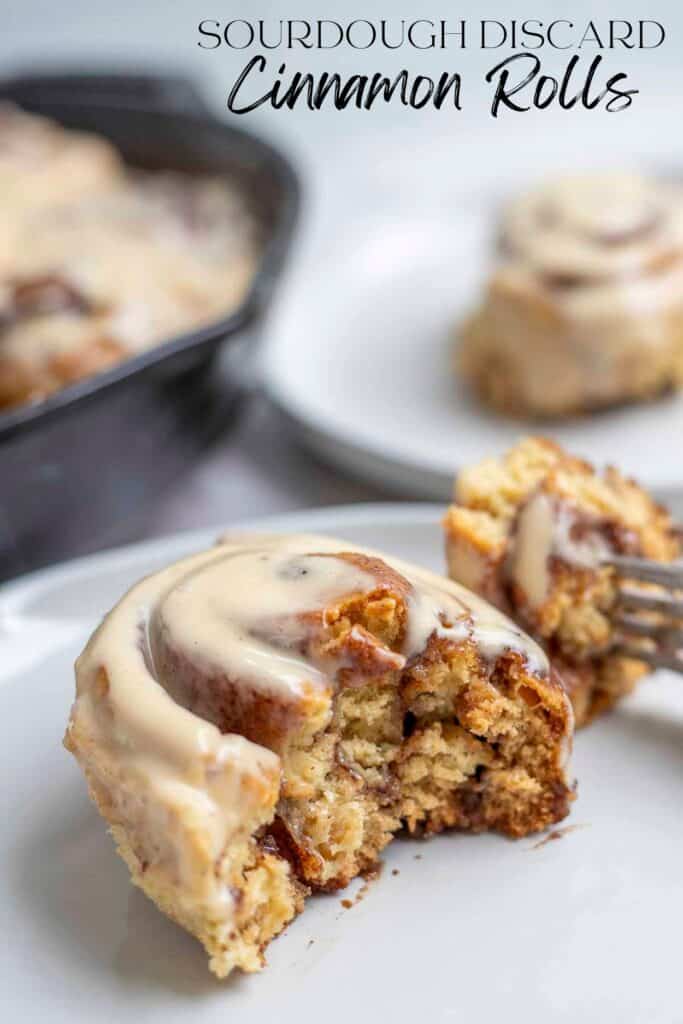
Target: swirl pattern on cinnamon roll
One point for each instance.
(257, 721)
(585, 308)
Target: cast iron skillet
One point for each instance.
(77, 468)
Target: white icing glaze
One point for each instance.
(434, 600)
(148, 255)
(242, 608)
(127, 728)
(435, 605)
(532, 547)
(544, 531)
(245, 612)
(583, 307)
(599, 230)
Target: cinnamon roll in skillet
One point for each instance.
(585, 308)
(257, 721)
(99, 262)
(529, 531)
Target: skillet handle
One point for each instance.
(169, 94)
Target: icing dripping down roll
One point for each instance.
(259, 719)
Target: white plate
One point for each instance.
(479, 928)
(361, 355)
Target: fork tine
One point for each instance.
(634, 599)
(671, 635)
(658, 643)
(651, 656)
(666, 574)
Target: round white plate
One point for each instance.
(457, 928)
(361, 354)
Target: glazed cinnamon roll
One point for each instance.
(585, 308)
(529, 532)
(98, 262)
(257, 721)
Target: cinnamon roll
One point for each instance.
(99, 262)
(585, 308)
(257, 721)
(529, 532)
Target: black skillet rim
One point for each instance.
(31, 415)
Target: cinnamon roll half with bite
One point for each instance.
(585, 307)
(529, 532)
(257, 721)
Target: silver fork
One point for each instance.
(655, 637)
